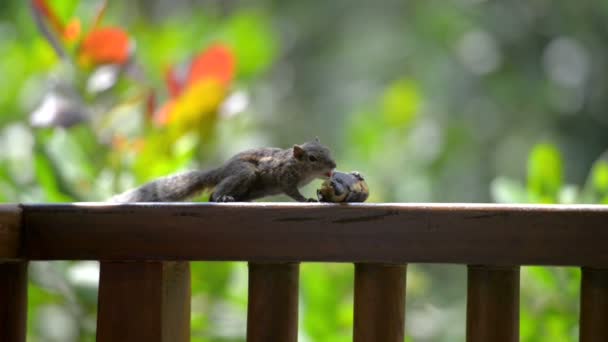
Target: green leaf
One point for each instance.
(545, 168)
(253, 41)
(557, 328)
(365, 134)
(596, 186)
(527, 324)
(160, 156)
(65, 8)
(506, 190)
(74, 167)
(544, 276)
(599, 176)
(45, 175)
(401, 103)
(37, 297)
(211, 277)
(327, 293)
(6, 185)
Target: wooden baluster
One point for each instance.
(379, 303)
(594, 305)
(144, 301)
(13, 301)
(493, 304)
(13, 277)
(272, 313)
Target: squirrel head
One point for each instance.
(315, 157)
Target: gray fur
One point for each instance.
(247, 176)
(168, 189)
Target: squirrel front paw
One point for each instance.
(224, 198)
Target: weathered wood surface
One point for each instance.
(13, 277)
(594, 305)
(379, 303)
(13, 301)
(144, 301)
(493, 304)
(272, 308)
(267, 232)
(10, 219)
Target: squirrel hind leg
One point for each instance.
(234, 188)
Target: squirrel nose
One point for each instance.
(332, 164)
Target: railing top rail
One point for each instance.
(386, 233)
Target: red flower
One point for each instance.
(216, 62)
(198, 88)
(101, 45)
(105, 45)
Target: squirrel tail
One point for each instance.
(171, 188)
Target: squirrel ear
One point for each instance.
(298, 151)
(317, 140)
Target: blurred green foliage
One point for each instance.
(551, 293)
(449, 101)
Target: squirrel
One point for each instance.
(246, 176)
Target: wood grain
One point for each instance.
(493, 304)
(594, 305)
(13, 277)
(144, 301)
(10, 219)
(379, 303)
(13, 301)
(272, 308)
(261, 232)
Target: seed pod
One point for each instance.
(343, 187)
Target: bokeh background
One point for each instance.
(433, 101)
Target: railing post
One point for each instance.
(144, 301)
(493, 304)
(13, 277)
(272, 312)
(379, 303)
(594, 305)
(13, 301)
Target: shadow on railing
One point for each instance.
(144, 251)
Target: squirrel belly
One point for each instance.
(172, 188)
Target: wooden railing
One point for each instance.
(144, 249)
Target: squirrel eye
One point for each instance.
(312, 158)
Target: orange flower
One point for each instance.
(101, 45)
(72, 31)
(197, 89)
(105, 45)
(217, 62)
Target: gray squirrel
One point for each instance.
(246, 176)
